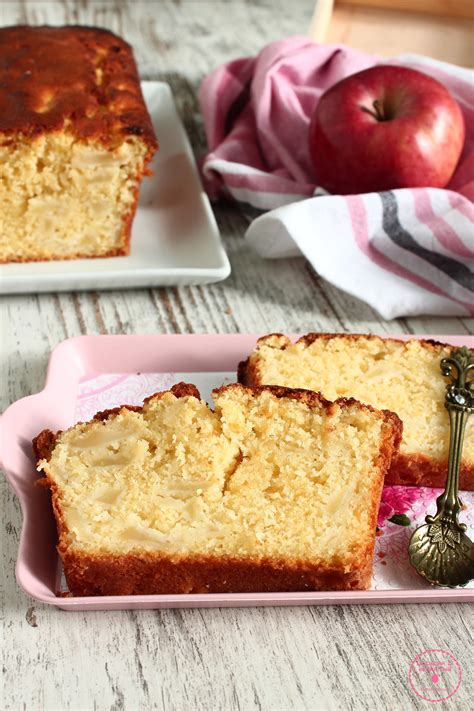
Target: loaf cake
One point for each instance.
(75, 142)
(275, 490)
(404, 377)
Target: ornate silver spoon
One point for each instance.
(440, 550)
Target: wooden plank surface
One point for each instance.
(288, 658)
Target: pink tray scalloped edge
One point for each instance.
(54, 408)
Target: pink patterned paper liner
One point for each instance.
(396, 500)
(113, 389)
(392, 569)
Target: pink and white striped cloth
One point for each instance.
(405, 252)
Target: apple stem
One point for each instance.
(377, 113)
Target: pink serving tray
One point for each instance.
(79, 359)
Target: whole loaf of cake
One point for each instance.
(75, 141)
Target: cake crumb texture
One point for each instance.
(403, 377)
(274, 490)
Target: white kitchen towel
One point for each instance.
(405, 252)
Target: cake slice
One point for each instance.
(275, 490)
(402, 376)
(75, 142)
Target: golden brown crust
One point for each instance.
(44, 443)
(310, 338)
(245, 376)
(105, 414)
(82, 75)
(309, 397)
(179, 390)
(406, 470)
(153, 574)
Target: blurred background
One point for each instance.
(443, 29)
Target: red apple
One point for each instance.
(383, 128)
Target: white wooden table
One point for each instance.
(269, 658)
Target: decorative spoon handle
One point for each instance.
(459, 402)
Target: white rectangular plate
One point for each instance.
(175, 238)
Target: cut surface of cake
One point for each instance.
(75, 141)
(401, 376)
(275, 490)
